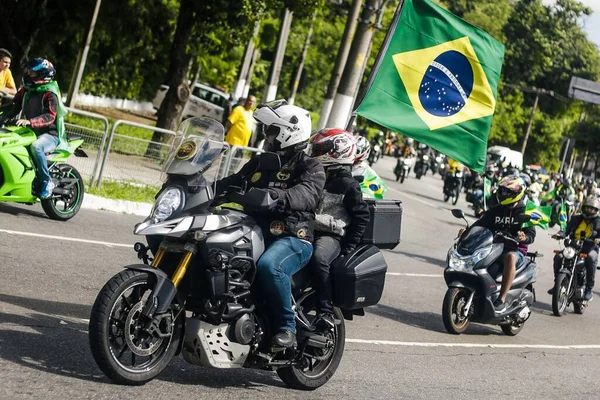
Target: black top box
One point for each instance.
(384, 229)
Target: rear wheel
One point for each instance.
(560, 297)
(320, 364)
(64, 206)
(453, 314)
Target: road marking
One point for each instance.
(67, 239)
(410, 196)
(416, 275)
(478, 345)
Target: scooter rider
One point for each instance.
(585, 225)
(512, 202)
(288, 229)
(342, 215)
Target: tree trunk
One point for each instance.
(171, 109)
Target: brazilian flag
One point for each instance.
(548, 196)
(437, 82)
(487, 188)
(372, 185)
(540, 215)
(562, 217)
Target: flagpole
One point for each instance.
(378, 61)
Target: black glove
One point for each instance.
(346, 251)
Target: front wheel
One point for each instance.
(455, 196)
(453, 313)
(66, 204)
(403, 176)
(121, 346)
(560, 297)
(321, 364)
(511, 330)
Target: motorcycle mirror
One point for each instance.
(269, 162)
(458, 213)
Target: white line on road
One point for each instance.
(67, 239)
(415, 275)
(478, 345)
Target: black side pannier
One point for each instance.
(383, 230)
(358, 278)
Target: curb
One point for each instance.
(93, 202)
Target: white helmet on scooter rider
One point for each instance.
(286, 127)
(590, 207)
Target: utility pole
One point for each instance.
(298, 74)
(81, 60)
(255, 57)
(366, 62)
(344, 98)
(246, 62)
(340, 61)
(528, 131)
(284, 31)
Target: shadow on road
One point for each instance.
(49, 344)
(425, 320)
(421, 258)
(10, 209)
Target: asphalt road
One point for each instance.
(400, 350)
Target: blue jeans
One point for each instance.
(45, 143)
(275, 268)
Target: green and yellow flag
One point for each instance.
(540, 215)
(562, 217)
(437, 83)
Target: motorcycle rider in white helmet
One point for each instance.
(296, 182)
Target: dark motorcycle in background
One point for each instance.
(452, 186)
(194, 297)
(403, 165)
(569, 285)
(421, 165)
(474, 277)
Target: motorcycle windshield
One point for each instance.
(197, 148)
(477, 238)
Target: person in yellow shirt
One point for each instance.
(7, 83)
(239, 123)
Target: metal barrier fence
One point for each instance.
(134, 160)
(93, 144)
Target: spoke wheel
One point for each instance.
(63, 207)
(560, 297)
(453, 315)
(121, 346)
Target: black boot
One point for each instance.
(325, 321)
(284, 339)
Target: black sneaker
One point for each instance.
(499, 305)
(588, 295)
(325, 321)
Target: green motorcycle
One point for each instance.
(17, 174)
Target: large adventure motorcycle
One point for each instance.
(196, 297)
(18, 182)
(474, 276)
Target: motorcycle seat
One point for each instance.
(301, 279)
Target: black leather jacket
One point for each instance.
(297, 185)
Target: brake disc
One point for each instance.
(145, 345)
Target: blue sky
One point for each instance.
(591, 24)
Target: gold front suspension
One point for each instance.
(182, 268)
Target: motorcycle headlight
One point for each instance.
(569, 253)
(425, 158)
(459, 262)
(406, 161)
(166, 204)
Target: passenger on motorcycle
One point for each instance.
(585, 225)
(42, 110)
(512, 201)
(342, 215)
(407, 150)
(288, 229)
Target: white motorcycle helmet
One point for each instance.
(286, 127)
